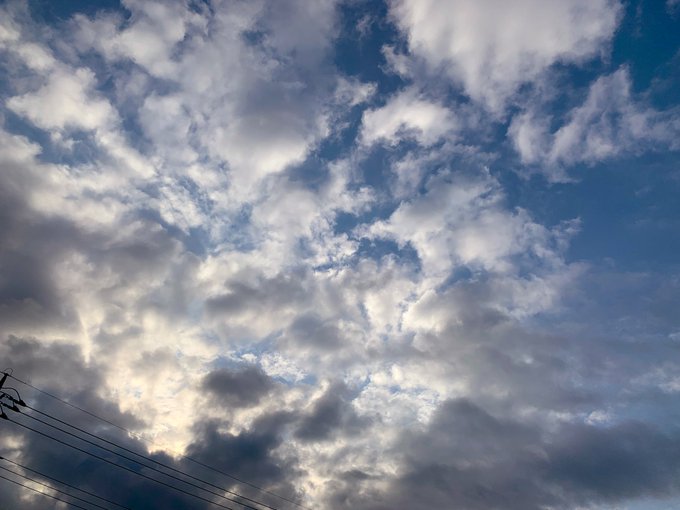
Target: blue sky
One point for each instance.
(390, 254)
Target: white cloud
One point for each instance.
(408, 115)
(181, 238)
(65, 102)
(148, 40)
(461, 221)
(255, 104)
(610, 122)
(492, 47)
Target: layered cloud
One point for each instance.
(337, 285)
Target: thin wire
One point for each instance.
(104, 459)
(206, 466)
(42, 493)
(5, 388)
(137, 462)
(26, 468)
(53, 488)
(151, 460)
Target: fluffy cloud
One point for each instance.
(329, 282)
(407, 116)
(610, 122)
(493, 47)
(461, 221)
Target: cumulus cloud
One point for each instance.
(331, 413)
(473, 459)
(491, 48)
(461, 221)
(242, 387)
(227, 233)
(407, 116)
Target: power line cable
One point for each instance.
(104, 459)
(53, 488)
(42, 493)
(166, 466)
(186, 457)
(133, 460)
(26, 468)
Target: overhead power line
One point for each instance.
(145, 457)
(108, 461)
(42, 493)
(53, 488)
(142, 464)
(185, 457)
(30, 470)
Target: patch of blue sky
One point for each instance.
(347, 222)
(377, 249)
(647, 38)
(358, 52)
(627, 209)
(53, 11)
(460, 275)
(50, 152)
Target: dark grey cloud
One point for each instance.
(331, 414)
(30, 249)
(95, 475)
(239, 387)
(250, 455)
(263, 295)
(253, 454)
(469, 459)
(61, 369)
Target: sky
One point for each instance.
(365, 254)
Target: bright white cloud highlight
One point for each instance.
(408, 115)
(492, 47)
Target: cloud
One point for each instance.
(472, 459)
(226, 233)
(331, 413)
(461, 221)
(407, 116)
(491, 48)
(59, 104)
(243, 387)
(259, 110)
(252, 454)
(611, 122)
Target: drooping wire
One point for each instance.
(145, 465)
(53, 488)
(138, 463)
(166, 466)
(104, 459)
(42, 493)
(186, 457)
(92, 494)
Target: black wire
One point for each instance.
(26, 468)
(104, 459)
(151, 460)
(53, 488)
(42, 493)
(206, 466)
(137, 462)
